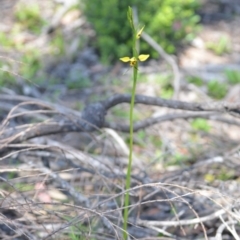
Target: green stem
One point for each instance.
(128, 177)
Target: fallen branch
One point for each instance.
(92, 117)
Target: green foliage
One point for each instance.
(79, 106)
(165, 81)
(78, 83)
(141, 135)
(177, 159)
(170, 24)
(223, 174)
(162, 84)
(167, 92)
(195, 80)
(233, 76)
(57, 43)
(5, 186)
(29, 16)
(200, 124)
(219, 47)
(123, 113)
(29, 61)
(142, 138)
(5, 40)
(217, 89)
(77, 232)
(31, 64)
(24, 187)
(156, 141)
(12, 175)
(7, 79)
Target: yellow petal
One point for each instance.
(125, 59)
(143, 57)
(140, 32)
(133, 63)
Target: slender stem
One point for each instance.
(128, 177)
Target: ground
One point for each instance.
(70, 185)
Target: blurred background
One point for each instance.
(67, 52)
(57, 47)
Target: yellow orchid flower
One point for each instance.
(140, 32)
(143, 57)
(133, 60)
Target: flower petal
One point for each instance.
(125, 59)
(143, 57)
(133, 63)
(140, 32)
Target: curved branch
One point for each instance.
(93, 116)
(15, 135)
(154, 101)
(151, 121)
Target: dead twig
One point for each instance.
(169, 59)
